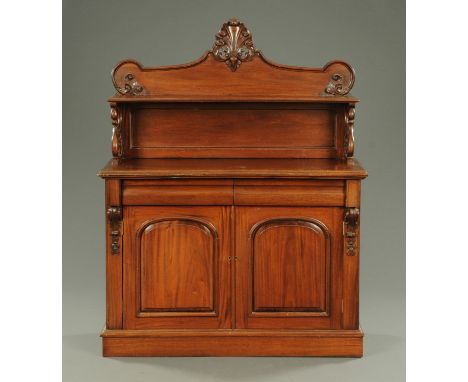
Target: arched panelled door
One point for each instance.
(176, 267)
(288, 267)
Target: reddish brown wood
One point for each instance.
(289, 193)
(234, 70)
(288, 252)
(113, 262)
(291, 274)
(176, 274)
(131, 333)
(206, 109)
(177, 266)
(353, 193)
(232, 208)
(350, 114)
(351, 264)
(209, 79)
(225, 130)
(343, 343)
(168, 192)
(233, 168)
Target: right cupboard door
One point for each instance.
(288, 267)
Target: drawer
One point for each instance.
(177, 192)
(289, 192)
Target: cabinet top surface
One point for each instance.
(137, 168)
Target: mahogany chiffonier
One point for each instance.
(232, 208)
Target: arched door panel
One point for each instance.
(285, 257)
(176, 267)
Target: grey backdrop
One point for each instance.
(369, 34)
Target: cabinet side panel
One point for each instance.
(350, 307)
(113, 262)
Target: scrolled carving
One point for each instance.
(351, 225)
(349, 133)
(131, 85)
(341, 78)
(233, 44)
(117, 142)
(336, 85)
(114, 214)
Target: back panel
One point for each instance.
(232, 130)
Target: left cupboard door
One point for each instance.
(177, 269)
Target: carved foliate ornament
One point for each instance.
(114, 214)
(341, 78)
(336, 85)
(131, 86)
(350, 228)
(233, 44)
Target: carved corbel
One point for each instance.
(350, 228)
(116, 118)
(349, 133)
(114, 214)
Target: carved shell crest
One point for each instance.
(233, 44)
